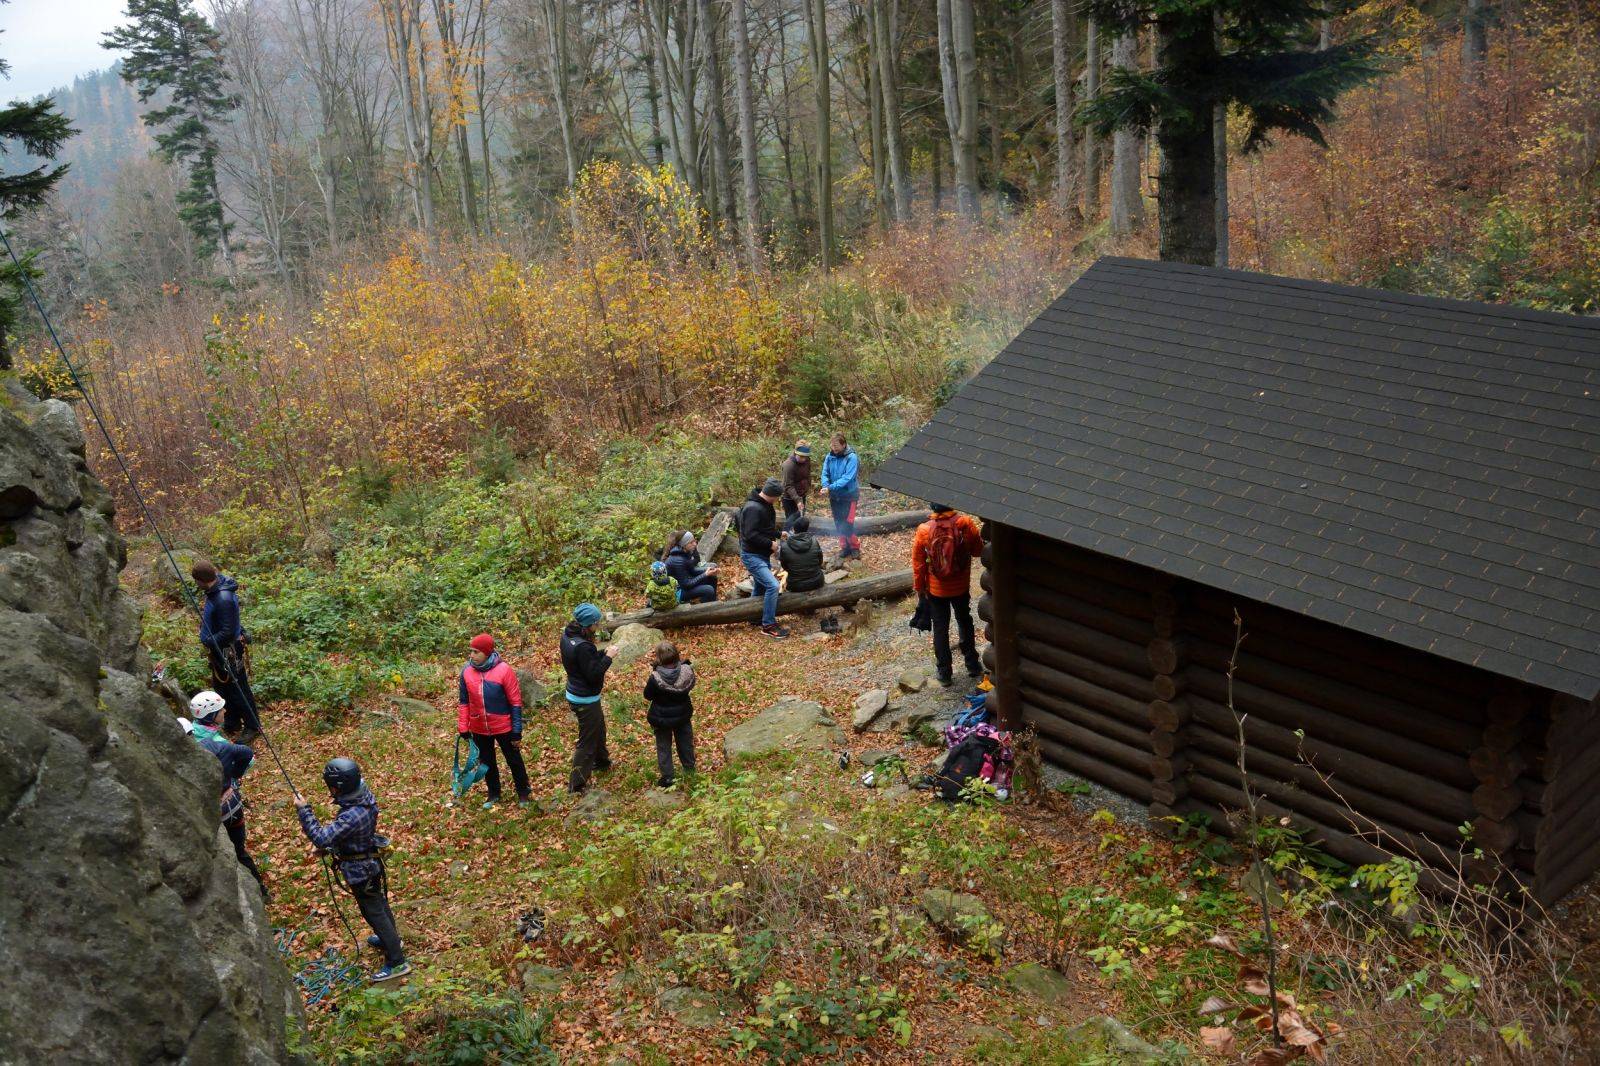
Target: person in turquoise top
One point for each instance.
(841, 483)
(586, 667)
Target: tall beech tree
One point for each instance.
(172, 49)
(1260, 57)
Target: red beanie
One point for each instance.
(483, 642)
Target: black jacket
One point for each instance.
(668, 693)
(801, 556)
(758, 525)
(586, 665)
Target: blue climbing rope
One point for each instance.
(319, 978)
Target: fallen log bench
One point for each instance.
(878, 587)
(893, 522)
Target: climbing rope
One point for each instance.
(319, 978)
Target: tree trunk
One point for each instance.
(1187, 183)
(888, 28)
(1091, 140)
(1063, 30)
(1474, 40)
(721, 168)
(657, 149)
(1325, 35)
(455, 81)
(964, 39)
(1219, 148)
(871, 80)
(1127, 155)
(888, 586)
(818, 31)
(749, 152)
(557, 56)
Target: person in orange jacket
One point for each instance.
(941, 574)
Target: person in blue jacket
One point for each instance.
(697, 583)
(223, 637)
(841, 483)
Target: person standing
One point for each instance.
(697, 583)
(235, 759)
(586, 667)
(352, 840)
(490, 713)
(841, 483)
(796, 483)
(671, 711)
(223, 637)
(758, 539)
(941, 571)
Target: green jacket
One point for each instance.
(662, 593)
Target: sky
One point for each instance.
(49, 42)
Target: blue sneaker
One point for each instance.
(389, 973)
(489, 805)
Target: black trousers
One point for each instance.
(235, 831)
(374, 907)
(666, 735)
(791, 511)
(590, 754)
(960, 606)
(232, 682)
(513, 753)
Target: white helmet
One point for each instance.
(186, 725)
(206, 704)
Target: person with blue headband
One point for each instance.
(586, 667)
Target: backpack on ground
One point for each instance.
(975, 713)
(980, 751)
(946, 554)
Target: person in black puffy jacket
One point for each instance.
(696, 583)
(586, 667)
(801, 557)
(671, 711)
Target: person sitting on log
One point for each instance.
(697, 583)
(801, 557)
(941, 573)
(661, 588)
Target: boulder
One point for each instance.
(534, 691)
(404, 707)
(916, 679)
(954, 913)
(593, 806)
(908, 712)
(835, 575)
(790, 724)
(543, 981)
(664, 799)
(869, 705)
(633, 642)
(161, 578)
(1104, 1039)
(693, 1007)
(1043, 984)
(744, 588)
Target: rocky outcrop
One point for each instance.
(791, 724)
(128, 932)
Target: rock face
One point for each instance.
(788, 725)
(128, 931)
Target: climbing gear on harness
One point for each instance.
(463, 777)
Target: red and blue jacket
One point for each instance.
(491, 699)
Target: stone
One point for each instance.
(744, 588)
(633, 642)
(790, 724)
(540, 980)
(873, 756)
(105, 801)
(163, 579)
(1109, 1040)
(1043, 984)
(664, 799)
(693, 1007)
(835, 575)
(915, 679)
(407, 708)
(869, 705)
(953, 913)
(594, 805)
(458, 869)
(1258, 877)
(534, 691)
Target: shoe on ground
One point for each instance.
(946, 680)
(524, 801)
(389, 973)
(775, 630)
(664, 782)
(490, 805)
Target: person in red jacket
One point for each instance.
(941, 571)
(491, 713)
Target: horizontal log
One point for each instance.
(1167, 686)
(986, 607)
(1494, 836)
(1166, 744)
(1096, 770)
(878, 587)
(1080, 639)
(986, 555)
(1048, 704)
(1089, 741)
(871, 525)
(1559, 839)
(1089, 669)
(1165, 655)
(1056, 554)
(1168, 768)
(1132, 602)
(1326, 689)
(1494, 801)
(1390, 741)
(1105, 700)
(1556, 881)
(1167, 793)
(986, 580)
(1509, 704)
(1340, 764)
(1496, 767)
(1031, 593)
(716, 530)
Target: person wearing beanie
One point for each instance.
(796, 483)
(941, 573)
(758, 539)
(223, 636)
(586, 667)
(841, 483)
(489, 713)
(696, 583)
(661, 590)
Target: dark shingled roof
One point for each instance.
(1424, 471)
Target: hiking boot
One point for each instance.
(664, 782)
(389, 973)
(775, 630)
(946, 680)
(524, 801)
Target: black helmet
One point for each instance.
(342, 776)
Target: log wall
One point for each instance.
(1371, 748)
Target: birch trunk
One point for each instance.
(1127, 205)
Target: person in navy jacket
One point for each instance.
(222, 635)
(490, 712)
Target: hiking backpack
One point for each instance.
(945, 550)
(965, 762)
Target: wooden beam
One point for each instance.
(1000, 546)
(878, 587)
(1069, 758)
(1089, 669)
(870, 525)
(716, 530)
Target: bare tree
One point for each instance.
(558, 63)
(817, 26)
(1474, 39)
(1063, 34)
(749, 151)
(721, 170)
(458, 61)
(1127, 154)
(958, 68)
(402, 20)
(886, 30)
(1091, 140)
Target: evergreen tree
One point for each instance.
(39, 130)
(1258, 57)
(171, 47)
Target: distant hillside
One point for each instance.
(105, 111)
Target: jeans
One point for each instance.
(231, 681)
(761, 574)
(513, 754)
(961, 606)
(235, 830)
(844, 523)
(702, 591)
(590, 754)
(374, 907)
(666, 735)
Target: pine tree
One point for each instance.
(171, 47)
(1260, 57)
(38, 130)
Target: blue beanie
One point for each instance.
(587, 614)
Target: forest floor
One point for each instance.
(778, 909)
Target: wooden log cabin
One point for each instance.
(1400, 498)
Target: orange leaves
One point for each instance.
(1281, 1018)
